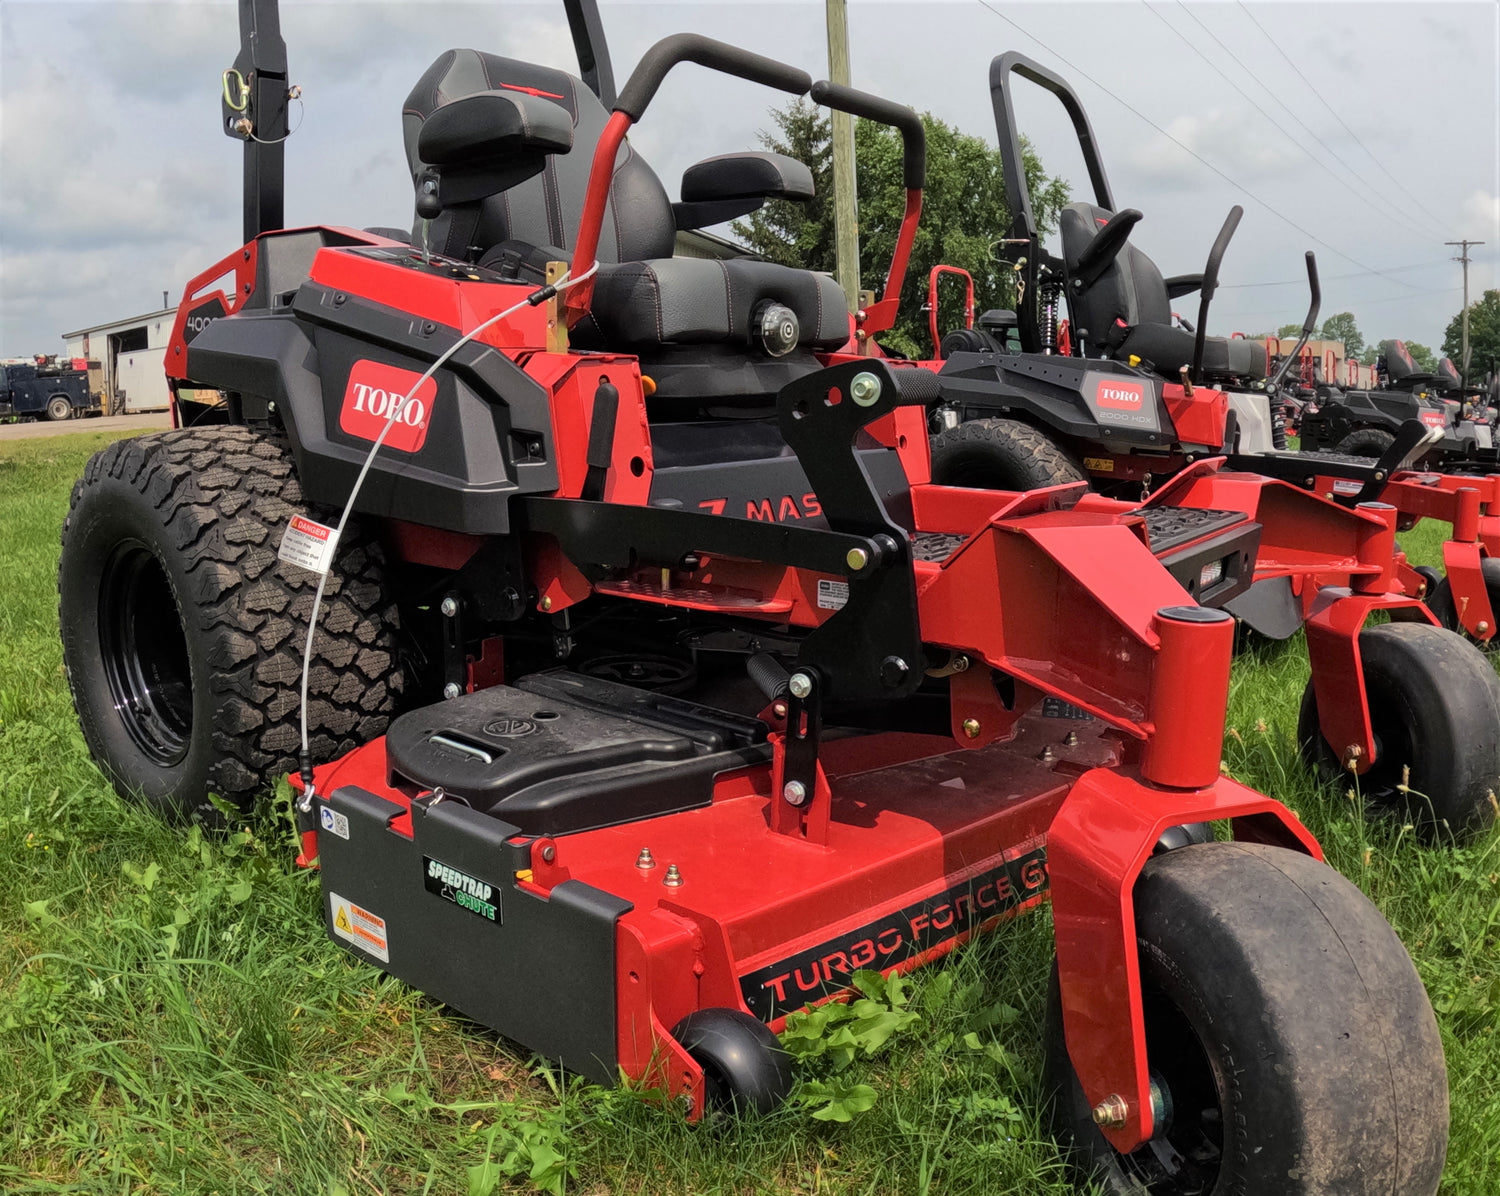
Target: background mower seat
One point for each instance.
(666, 309)
(1399, 367)
(1127, 309)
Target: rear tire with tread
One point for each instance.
(183, 633)
(1366, 442)
(1001, 454)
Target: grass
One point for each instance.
(172, 1019)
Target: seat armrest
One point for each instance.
(1183, 284)
(733, 185)
(487, 127)
(487, 142)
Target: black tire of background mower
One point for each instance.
(59, 407)
(1440, 599)
(1324, 1045)
(745, 1067)
(1000, 454)
(1448, 698)
(1366, 442)
(211, 504)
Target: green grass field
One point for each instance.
(173, 1020)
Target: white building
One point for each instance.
(133, 355)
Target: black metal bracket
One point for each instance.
(804, 731)
(261, 66)
(451, 610)
(873, 646)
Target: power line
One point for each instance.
(1402, 217)
(1277, 46)
(1302, 282)
(1285, 219)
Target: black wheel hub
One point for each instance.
(145, 653)
(1183, 1156)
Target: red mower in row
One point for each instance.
(1119, 397)
(478, 545)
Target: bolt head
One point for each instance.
(857, 559)
(645, 859)
(1110, 1113)
(1482, 627)
(549, 853)
(451, 690)
(449, 607)
(547, 603)
(864, 389)
(971, 728)
(800, 685)
(893, 671)
(779, 709)
(1071, 739)
(795, 793)
(673, 877)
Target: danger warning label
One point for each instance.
(359, 926)
(308, 544)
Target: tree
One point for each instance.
(1369, 355)
(1295, 330)
(1484, 335)
(964, 213)
(1341, 327)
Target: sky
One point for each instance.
(1369, 133)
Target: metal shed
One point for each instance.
(132, 352)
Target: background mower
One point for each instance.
(914, 710)
(1120, 309)
(1364, 423)
(1077, 404)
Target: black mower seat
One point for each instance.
(644, 298)
(1127, 310)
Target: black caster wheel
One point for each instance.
(1440, 597)
(744, 1067)
(1434, 707)
(1265, 1083)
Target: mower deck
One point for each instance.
(637, 924)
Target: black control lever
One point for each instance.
(1307, 325)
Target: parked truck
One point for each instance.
(48, 388)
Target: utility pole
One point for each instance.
(845, 218)
(1464, 369)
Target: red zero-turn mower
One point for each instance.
(697, 767)
(1079, 405)
(1171, 394)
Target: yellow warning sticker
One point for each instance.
(360, 927)
(1099, 464)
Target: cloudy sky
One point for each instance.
(1366, 132)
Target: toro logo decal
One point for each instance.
(1433, 419)
(1120, 395)
(372, 391)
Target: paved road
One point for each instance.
(108, 423)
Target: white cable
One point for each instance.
(395, 411)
